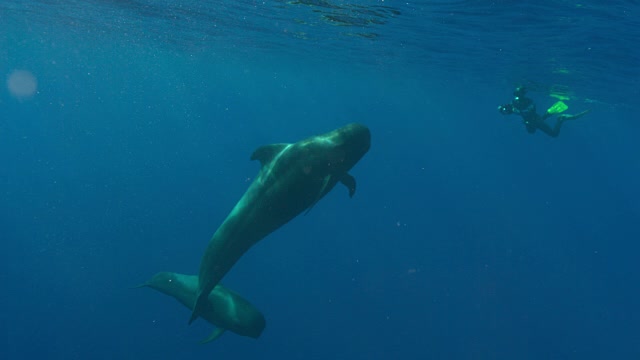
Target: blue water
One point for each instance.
(126, 140)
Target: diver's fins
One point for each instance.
(557, 108)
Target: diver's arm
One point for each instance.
(505, 109)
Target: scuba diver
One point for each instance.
(525, 107)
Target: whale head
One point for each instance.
(173, 284)
(346, 145)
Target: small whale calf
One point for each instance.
(225, 309)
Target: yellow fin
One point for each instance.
(557, 108)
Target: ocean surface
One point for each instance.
(126, 129)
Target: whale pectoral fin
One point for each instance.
(214, 335)
(266, 153)
(323, 188)
(350, 182)
(198, 306)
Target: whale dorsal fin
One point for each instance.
(214, 335)
(350, 182)
(266, 153)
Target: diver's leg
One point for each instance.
(556, 128)
(545, 116)
(572, 117)
(548, 130)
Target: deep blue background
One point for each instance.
(468, 238)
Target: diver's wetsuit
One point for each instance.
(526, 108)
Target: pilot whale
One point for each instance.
(224, 308)
(292, 179)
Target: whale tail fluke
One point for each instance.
(198, 306)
